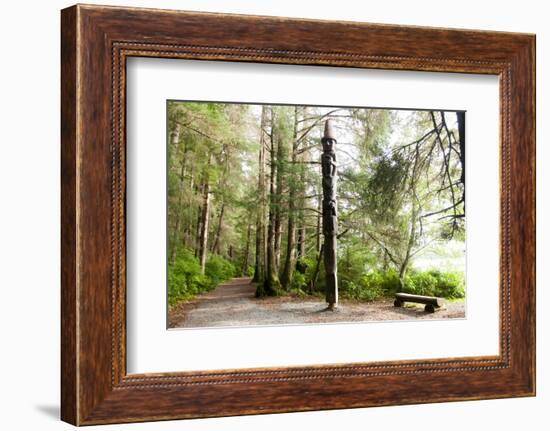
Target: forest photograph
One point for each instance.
(288, 214)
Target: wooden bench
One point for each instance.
(432, 303)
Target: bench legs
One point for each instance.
(428, 308)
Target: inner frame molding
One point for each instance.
(121, 52)
(96, 42)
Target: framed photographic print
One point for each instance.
(266, 215)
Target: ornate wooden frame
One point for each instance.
(95, 43)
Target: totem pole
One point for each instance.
(330, 220)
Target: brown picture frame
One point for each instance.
(95, 43)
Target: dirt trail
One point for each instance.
(234, 304)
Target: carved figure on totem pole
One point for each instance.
(330, 214)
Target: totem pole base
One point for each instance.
(331, 307)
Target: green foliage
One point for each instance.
(371, 286)
(436, 283)
(353, 263)
(249, 271)
(377, 284)
(309, 262)
(384, 194)
(206, 142)
(298, 281)
(218, 270)
(386, 281)
(360, 292)
(184, 277)
(185, 280)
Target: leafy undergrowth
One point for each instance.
(185, 280)
(379, 284)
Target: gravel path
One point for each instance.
(234, 304)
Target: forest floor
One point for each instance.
(233, 304)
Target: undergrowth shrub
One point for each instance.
(370, 286)
(377, 284)
(435, 283)
(218, 270)
(184, 277)
(186, 281)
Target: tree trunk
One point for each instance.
(271, 284)
(330, 211)
(290, 259)
(406, 260)
(222, 185)
(198, 230)
(205, 216)
(260, 255)
(279, 161)
(385, 261)
(174, 140)
(302, 157)
(216, 243)
(188, 229)
(277, 240)
(301, 249)
(402, 274)
(244, 271)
